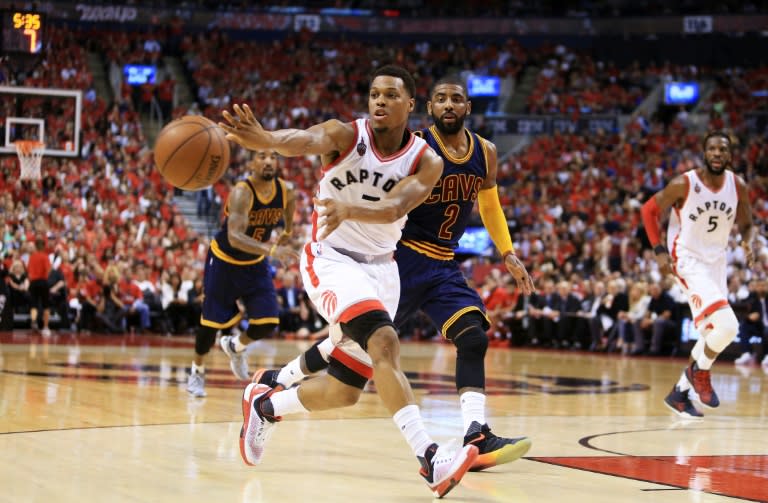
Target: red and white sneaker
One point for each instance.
(444, 471)
(257, 426)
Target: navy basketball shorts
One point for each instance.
(224, 283)
(437, 287)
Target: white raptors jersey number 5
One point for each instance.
(701, 226)
(362, 175)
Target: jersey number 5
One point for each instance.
(258, 234)
(712, 223)
(451, 215)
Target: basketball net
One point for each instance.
(30, 154)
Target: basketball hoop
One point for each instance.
(30, 154)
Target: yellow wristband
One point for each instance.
(286, 233)
(272, 250)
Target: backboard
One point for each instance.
(53, 116)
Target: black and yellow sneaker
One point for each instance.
(494, 450)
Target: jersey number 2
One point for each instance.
(451, 215)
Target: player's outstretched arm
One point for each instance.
(744, 220)
(326, 137)
(410, 192)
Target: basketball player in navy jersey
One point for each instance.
(374, 172)
(431, 279)
(707, 203)
(236, 267)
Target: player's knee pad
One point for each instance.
(256, 332)
(360, 328)
(346, 375)
(468, 335)
(314, 358)
(205, 338)
(725, 326)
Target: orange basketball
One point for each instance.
(192, 152)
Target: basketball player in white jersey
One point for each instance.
(384, 171)
(706, 203)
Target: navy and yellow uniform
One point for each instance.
(430, 278)
(231, 274)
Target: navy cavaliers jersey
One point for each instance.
(434, 227)
(263, 216)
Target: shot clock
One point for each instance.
(22, 32)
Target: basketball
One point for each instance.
(192, 152)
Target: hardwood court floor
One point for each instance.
(98, 418)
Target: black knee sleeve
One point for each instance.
(360, 328)
(204, 339)
(256, 332)
(313, 359)
(345, 374)
(469, 337)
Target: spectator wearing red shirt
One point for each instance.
(133, 298)
(38, 269)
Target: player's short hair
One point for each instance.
(455, 80)
(716, 134)
(400, 73)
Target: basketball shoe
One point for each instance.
(494, 450)
(257, 425)
(196, 384)
(237, 361)
(268, 377)
(701, 382)
(678, 402)
(442, 471)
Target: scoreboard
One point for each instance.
(22, 32)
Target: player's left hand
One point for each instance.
(516, 268)
(330, 214)
(284, 239)
(285, 254)
(749, 255)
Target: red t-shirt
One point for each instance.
(39, 266)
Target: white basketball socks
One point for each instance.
(409, 422)
(197, 369)
(291, 373)
(472, 408)
(287, 402)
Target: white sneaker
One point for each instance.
(765, 361)
(237, 361)
(256, 429)
(744, 359)
(443, 471)
(196, 385)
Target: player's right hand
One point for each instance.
(244, 129)
(330, 214)
(665, 266)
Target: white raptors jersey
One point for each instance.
(701, 227)
(361, 175)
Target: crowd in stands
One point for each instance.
(129, 261)
(489, 8)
